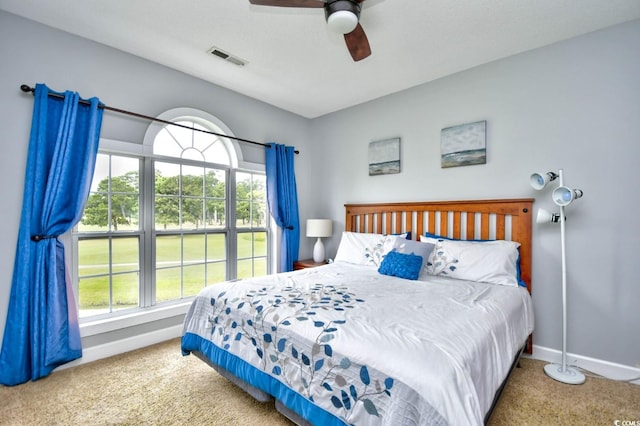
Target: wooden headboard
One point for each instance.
(508, 219)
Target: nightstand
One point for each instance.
(306, 263)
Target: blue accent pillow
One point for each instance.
(402, 265)
(521, 282)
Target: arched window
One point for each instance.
(198, 137)
(190, 143)
(161, 225)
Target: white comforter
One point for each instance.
(368, 348)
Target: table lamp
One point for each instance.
(319, 228)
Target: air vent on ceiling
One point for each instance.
(226, 56)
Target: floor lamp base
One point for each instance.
(570, 375)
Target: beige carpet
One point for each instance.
(158, 386)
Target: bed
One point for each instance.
(419, 320)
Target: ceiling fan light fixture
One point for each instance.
(342, 15)
(342, 22)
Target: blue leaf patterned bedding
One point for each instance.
(342, 344)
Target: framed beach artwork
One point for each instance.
(464, 145)
(384, 157)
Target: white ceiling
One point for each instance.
(295, 63)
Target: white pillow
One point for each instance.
(364, 248)
(492, 262)
(422, 249)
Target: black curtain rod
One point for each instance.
(25, 88)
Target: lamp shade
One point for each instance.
(540, 180)
(545, 216)
(319, 228)
(563, 196)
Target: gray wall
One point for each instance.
(573, 105)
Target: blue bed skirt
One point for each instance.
(259, 379)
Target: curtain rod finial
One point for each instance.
(25, 88)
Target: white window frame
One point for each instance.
(102, 324)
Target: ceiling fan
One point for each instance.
(342, 17)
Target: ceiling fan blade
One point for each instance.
(358, 44)
(289, 3)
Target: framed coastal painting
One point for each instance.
(464, 144)
(384, 157)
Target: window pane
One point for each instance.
(252, 267)
(167, 178)
(216, 272)
(250, 200)
(114, 198)
(217, 153)
(245, 268)
(203, 141)
(259, 214)
(168, 284)
(215, 191)
(93, 257)
(259, 266)
(166, 144)
(167, 196)
(125, 291)
(194, 249)
(167, 213)
(192, 213)
(125, 255)
(245, 245)
(259, 198)
(93, 296)
(248, 268)
(182, 135)
(194, 279)
(260, 187)
(216, 247)
(215, 214)
(252, 244)
(259, 244)
(192, 154)
(101, 171)
(96, 213)
(192, 181)
(215, 184)
(243, 200)
(168, 251)
(124, 212)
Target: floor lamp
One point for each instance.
(562, 196)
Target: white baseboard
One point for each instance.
(106, 350)
(607, 369)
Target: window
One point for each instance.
(159, 227)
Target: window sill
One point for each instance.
(141, 316)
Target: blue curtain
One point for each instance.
(282, 197)
(41, 331)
